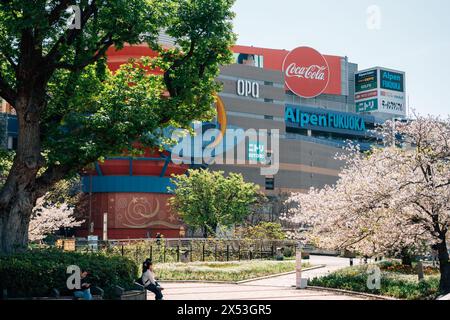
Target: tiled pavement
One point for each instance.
(278, 288)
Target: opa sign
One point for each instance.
(247, 88)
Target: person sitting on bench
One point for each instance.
(148, 280)
(85, 291)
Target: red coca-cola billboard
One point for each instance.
(306, 72)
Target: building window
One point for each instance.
(269, 158)
(12, 143)
(270, 183)
(266, 117)
(268, 100)
(268, 83)
(253, 60)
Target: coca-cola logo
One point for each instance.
(306, 72)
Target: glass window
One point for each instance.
(270, 183)
(249, 59)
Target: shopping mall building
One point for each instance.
(310, 104)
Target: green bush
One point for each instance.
(392, 284)
(36, 272)
(263, 230)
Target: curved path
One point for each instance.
(277, 288)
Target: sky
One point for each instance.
(408, 35)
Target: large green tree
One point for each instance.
(206, 199)
(72, 111)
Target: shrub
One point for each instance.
(264, 230)
(395, 267)
(36, 272)
(393, 285)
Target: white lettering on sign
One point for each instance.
(247, 88)
(313, 72)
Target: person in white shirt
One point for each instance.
(149, 281)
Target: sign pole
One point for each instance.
(105, 226)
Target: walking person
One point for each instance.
(148, 280)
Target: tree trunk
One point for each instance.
(444, 265)
(406, 257)
(18, 196)
(14, 225)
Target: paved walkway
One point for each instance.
(206, 291)
(331, 264)
(278, 288)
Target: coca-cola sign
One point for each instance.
(306, 72)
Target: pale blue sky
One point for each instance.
(414, 37)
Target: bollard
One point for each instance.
(203, 252)
(420, 272)
(300, 283)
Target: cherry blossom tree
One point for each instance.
(48, 218)
(389, 199)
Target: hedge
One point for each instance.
(36, 272)
(392, 285)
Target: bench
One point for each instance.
(97, 294)
(138, 293)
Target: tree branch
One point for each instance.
(55, 14)
(7, 92)
(177, 63)
(12, 63)
(97, 56)
(49, 178)
(69, 36)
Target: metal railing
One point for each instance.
(192, 250)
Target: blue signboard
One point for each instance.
(326, 120)
(392, 80)
(256, 151)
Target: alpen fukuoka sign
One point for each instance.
(306, 118)
(392, 80)
(380, 90)
(306, 72)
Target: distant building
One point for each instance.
(8, 126)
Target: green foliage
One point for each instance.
(206, 199)
(86, 112)
(264, 230)
(392, 285)
(6, 159)
(36, 272)
(67, 191)
(223, 271)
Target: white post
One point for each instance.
(105, 226)
(298, 269)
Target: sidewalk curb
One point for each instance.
(197, 281)
(242, 281)
(353, 293)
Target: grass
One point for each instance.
(223, 271)
(396, 284)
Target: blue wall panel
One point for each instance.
(127, 184)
